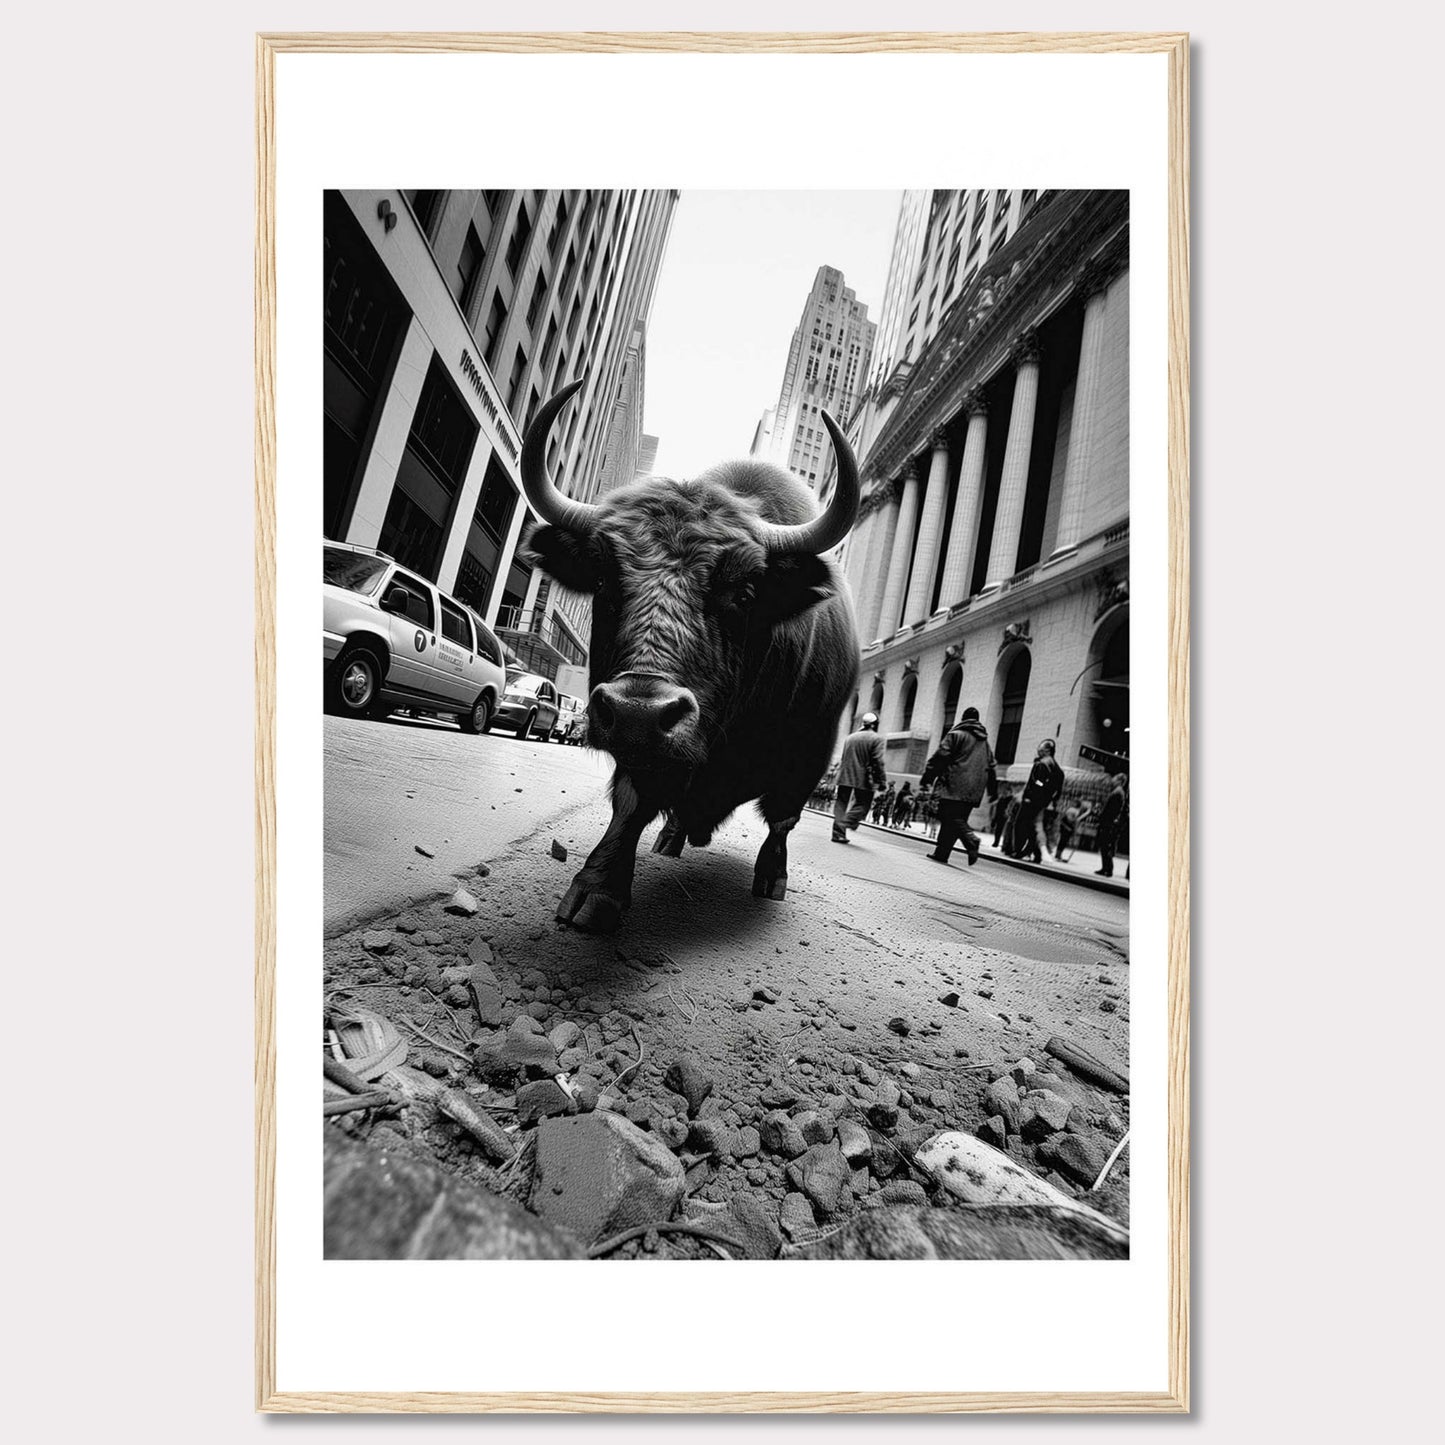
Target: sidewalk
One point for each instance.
(1079, 869)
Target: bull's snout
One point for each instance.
(643, 718)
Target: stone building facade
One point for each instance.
(990, 563)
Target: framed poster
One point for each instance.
(904, 624)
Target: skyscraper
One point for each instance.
(827, 366)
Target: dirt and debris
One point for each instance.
(719, 1083)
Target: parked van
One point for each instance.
(391, 639)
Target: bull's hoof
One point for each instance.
(589, 911)
(775, 888)
(669, 842)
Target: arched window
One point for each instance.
(951, 690)
(1104, 711)
(1015, 690)
(906, 700)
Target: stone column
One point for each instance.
(1093, 283)
(858, 543)
(899, 554)
(930, 532)
(880, 548)
(392, 429)
(958, 569)
(1014, 484)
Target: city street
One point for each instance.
(879, 967)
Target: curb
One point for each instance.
(1118, 887)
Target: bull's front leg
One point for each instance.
(770, 872)
(602, 888)
(671, 838)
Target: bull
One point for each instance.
(723, 651)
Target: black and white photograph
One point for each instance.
(727, 733)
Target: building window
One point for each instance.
(1015, 691)
(494, 507)
(550, 343)
(469, 269)
(534, 306)
(514, 386)
(559, 224)
(426, 206)
(494, 204)
(906, 698)
(517, 246)
(443, 430)
(492, 337)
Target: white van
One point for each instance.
(391, 639)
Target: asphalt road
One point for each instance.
(1046, 944)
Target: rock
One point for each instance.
(940, 1099)
(597, 1175)
(584, 1092)
(883, 1112)
(814, 1128)
(541, 1100)
(710, 1136)
(520, 1047)
(1042, 1114)
(796, 1217)
(1074, 1155)
(674, 1132)
(569, 1060)
(853, 1140)
(994, 1131)
(867, 1074)
(1107, 1006)
(780, 1135)
(1002, 1098)
(564, 1036)
(984, 992)
(425, 852)
(900, 1026)
(910, 1070)
(1022, 1072)
(539, 1011)
(559, 852)
(461, 902)
(742, 1001)
(753, 1225)
(767, 995)
(384, 1205)
(904, 1191)
(457, 973)
(778, 1095)
(457, 995)
(377, 941)
(686, 1076)
(746, 1142)
(486, 989)
(948, 1000)
(821, 1174)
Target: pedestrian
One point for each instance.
(1046, 782)
(1111, 820)
(1004, 808)
(883, 805)
(860, 775)
(929, 806)
(903, 806)
(961, 771)
(1071, 819)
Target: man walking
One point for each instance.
(962, 770)
(860, 775)
(1046, 782)
(1111, 820)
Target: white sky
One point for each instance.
(738, 268)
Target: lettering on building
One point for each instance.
(473, 374)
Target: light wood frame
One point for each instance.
(1173, 1400)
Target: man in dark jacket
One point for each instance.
(1111, 820)
(860, 775)
(963, 770)
(1045, 783)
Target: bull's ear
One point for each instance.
(790, 585)
(574, 561)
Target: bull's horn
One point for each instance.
(824, 532)
(541, 491)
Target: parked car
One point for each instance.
(529, 705)
(569, 718)
(392, 639)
